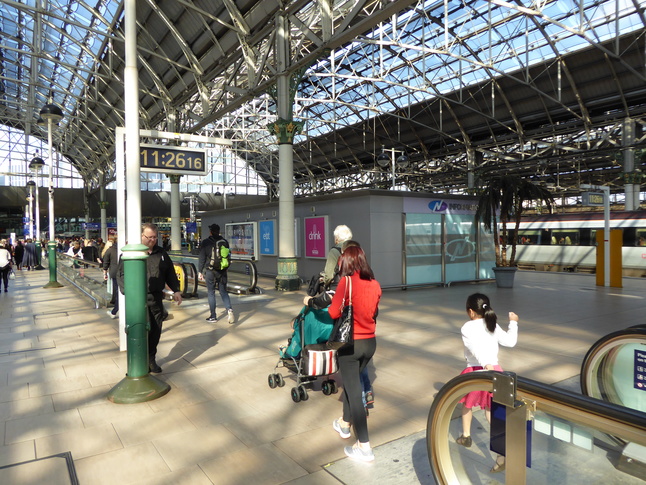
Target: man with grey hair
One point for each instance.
(342, 234)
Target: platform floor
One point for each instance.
(221, 423)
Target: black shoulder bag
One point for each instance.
(343, 331)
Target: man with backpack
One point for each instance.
(215, 257)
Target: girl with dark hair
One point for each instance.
(481, 336)
(354, 358)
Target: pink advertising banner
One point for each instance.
(316, 245)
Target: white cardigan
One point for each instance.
(481, 346)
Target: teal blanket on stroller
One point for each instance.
(317, 327)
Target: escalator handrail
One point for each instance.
(634, 331)
(631, 417)
(610, 414)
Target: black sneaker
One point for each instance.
(212, 319)
(154, 368)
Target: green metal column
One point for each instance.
(51, 254)
(138, 385)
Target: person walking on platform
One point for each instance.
(18, 253)
(366, 293)
(323, 300)
(5, 265)
(159, 273)
(481, 336)
(342, 234)
(110, 258)
(29, 260)
(213, 265)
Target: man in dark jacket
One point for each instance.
(160, 272)
(214, 278)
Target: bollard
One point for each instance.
(51, 262)
(138, 385)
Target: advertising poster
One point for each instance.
(243, 239)
(267, 230)
(316, 245)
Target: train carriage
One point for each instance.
(567, 242)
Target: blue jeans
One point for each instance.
(213, 279)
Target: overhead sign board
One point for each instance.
(592, 199)
(172, 160)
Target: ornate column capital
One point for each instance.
(103, 204)
(285, 130)
(174, 178)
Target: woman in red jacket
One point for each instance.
(366, 293)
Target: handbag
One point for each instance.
(343, 331)
(319, 361)
(12, 275)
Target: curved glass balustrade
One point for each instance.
(552, 436)
(614, 369)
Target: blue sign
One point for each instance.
(267, 230)
(191, 227)
(640, 370)
(92, 226)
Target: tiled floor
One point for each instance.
(221, 423)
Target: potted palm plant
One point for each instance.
(502, 199)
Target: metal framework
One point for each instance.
(465, 89)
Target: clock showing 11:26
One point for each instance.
(172, 160)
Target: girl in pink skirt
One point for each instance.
(481, 336)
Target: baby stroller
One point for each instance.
(307, 355)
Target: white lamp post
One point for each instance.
(30, 198)
(52, 114)
(36, 166)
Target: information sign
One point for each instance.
(172, 160)
(592, 199)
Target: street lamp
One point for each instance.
(52, 114)
(36, 166)
(30, 198)
(384, 159)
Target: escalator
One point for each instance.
(548, 435)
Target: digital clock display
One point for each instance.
(172, 160)
(592, 199)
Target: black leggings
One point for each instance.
(351, 362)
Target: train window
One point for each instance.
(566, 237)
(529, 237)
(641, 237)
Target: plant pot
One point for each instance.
(505, 276)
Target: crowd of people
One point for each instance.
(346, 267)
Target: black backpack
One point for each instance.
(315, 286)
(220, 256)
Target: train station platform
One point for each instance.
(221, 423)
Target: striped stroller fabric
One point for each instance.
(319, 362)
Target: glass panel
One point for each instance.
(460, 249)
(566, 452)
(623, 373)
(562, 452)
(423, 248)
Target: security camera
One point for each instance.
(51, 191)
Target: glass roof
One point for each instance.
(388, 76)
